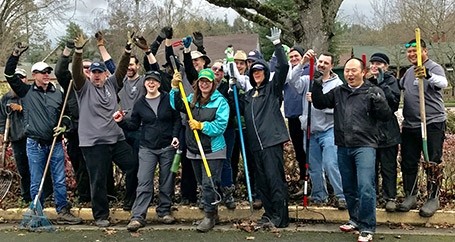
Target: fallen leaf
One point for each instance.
(250, 238)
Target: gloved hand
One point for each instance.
(198, 41)
(317, 77)
(422, 72)
(380, 78)
(15, 107)
(195, 125)
(59, 130)
(166, 32)
(70, 44)
(229, 54)
(19, 48)
(187, 41)
(129, 41)
(275, 34)
(233, 82)
(176, 79)
(141, 42)
(99, 38)
(375, 96)
(80, 41)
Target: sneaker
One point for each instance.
(365, 237)
(390, 206)
(66, 217)
(134, 225)
(166, 219)
(103, 223)
(348, 227)
(341, 204)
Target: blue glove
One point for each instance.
(187, 41)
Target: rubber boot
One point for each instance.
(208, 222)
(410, 201)
(228, 197)
(434, 177)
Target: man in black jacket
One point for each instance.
(358, 106)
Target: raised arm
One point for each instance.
(282, 66)
(62, 72)
(79, 78)
(15, 83)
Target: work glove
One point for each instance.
(187, 41)
(422, 72)
(166, 32)
(195, 125)
(129, 41)
(199, 41)
(99, 38)
(80, 41)
(275, 34)
(19, 48)
(229, 54)
(176, 79)
(15, 107)
(141, 42)
(59, 130)
(375, 96)
(233, 82)
(70, 44)
(380, 78)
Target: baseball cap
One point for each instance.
(98, 66)
(206, 73)
(21, 72)
(41, 66)
(153, 75)
(254, 55)
(258, 67)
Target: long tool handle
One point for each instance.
(5, 138)
(242, 141)
(423, 118)
(46, 168)
(190, 117)
(308, 136)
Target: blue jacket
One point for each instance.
(214, 115)
(292, 98)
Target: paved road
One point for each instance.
(310, 233)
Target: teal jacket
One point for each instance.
(214, 115)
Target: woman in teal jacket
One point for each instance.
(210, 117)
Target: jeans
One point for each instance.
(37, 156)
(208, 194)
(357, 168)
(99, 159)
(323, 160)
(148, 159)
(226, 171)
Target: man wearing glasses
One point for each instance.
(434, 81)
(42, 103)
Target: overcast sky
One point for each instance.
(83, 13)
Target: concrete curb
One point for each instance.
(188, 214)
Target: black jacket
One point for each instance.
(16, 130)
(389, 131)
(41, 107)
(64, 77)
(157, 130)
(265, 126)
(356, 115)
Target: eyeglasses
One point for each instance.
(215, 68)
(413, 44)
(43, 72)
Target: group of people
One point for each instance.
(346, 131)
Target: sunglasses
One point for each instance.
(152, 72)
(21, 76)
(43, 72)
(413, 44)
(86, 67)
(214, 68)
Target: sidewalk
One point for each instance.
(188, 214)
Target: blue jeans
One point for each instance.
(226, 170)
(37, 156)
(323, 159)
(357, 168)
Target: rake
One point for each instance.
(6, 176)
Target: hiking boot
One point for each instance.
(207, 223)
(103, 223)
(410, 202)
(134, 225)
(348, 227)
(430, 207)
(228, 198)
(390, 206)
(365, 237)
(166, 219)
(341, 204)
(66, 217)
(257, 204)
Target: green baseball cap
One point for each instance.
(206, 73)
